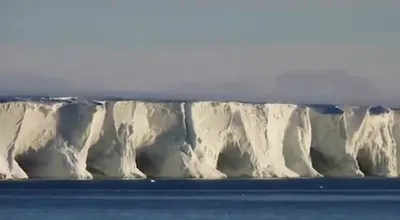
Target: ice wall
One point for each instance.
(80, 139)
(297, 143)
(240, 140)
(47, 139)
(11, 117)
(374, 142)
(330, 151)
(353, 141)
(145, 138)
(396, 136)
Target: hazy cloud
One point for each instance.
(201, 72)
(202, 49)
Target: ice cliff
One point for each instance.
(353, 141)
(73, 138)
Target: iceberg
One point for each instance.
(75, 138)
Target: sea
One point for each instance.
(233, 199)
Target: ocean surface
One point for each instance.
(322, 199)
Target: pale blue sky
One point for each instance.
(143, 23)
(150, 45)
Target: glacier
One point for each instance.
(77, 138)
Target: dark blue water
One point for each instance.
(323, 199)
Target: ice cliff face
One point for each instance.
(396, 136)
(47, 139)
(250, 140)
(353, 141)
(145, 138)
(11, 117)
(79, 139)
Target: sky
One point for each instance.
(247, 50)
